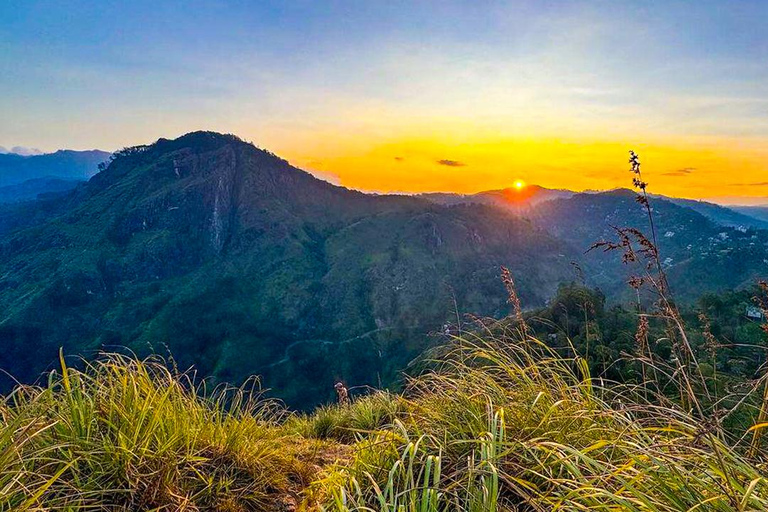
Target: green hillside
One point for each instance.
(238, 263)
(699, 255)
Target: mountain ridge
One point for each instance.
(64, 163)
(521, 200)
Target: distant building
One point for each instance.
(755, 313)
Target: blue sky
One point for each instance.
(327, 83)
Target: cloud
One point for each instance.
(399, 158)
(758, 184)
(451, 163)
(21, 150)
(685, 171)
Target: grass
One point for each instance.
(132, 435)
(495, 424)
(514, 427)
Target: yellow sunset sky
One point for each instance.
(729, 171)
(411, 97)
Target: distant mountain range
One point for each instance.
(232, 260)
(65, 164)
(21, 150)
(522, 200)
(515, 199)
(744, 217)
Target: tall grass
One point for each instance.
(496, 423)
(511, 426)
(131, 435)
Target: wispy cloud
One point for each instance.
(25, 151)
(451, 163)
(21, 150)
(399, 159)
(685, 171)
(758, 184)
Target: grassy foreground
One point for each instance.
(494, 425)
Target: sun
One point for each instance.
(519, 184)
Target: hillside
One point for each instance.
(706, 247)
(65, 164)
(240, 263)
(726, 216)
(699, 255)
(36, 188)
(757, 212)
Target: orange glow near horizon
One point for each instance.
(728, 171)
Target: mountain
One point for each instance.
(21, 150)
(515, 199)
(705, 247)
(521, 200)
(228, 258)
(240, 264)
(699, 255)
(725, 216)
(36, 188)
(65, 164)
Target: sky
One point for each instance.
(415, 96)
